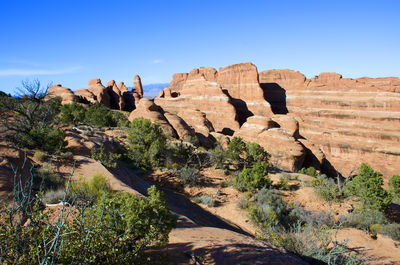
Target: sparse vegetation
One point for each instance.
(107, 159)
(367, 186)
(326, 188)
(189, 176)
(205, 199)
(310, 171)
(116, 228)
(39, 156)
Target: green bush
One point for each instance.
(147, 143)
(252, 178)
(310, 171)
(391, 230)
(90, 191)
(118, 229)
(317, 245)
(46, 139)
(218, 157)
(326, 188)
(236, 149)
(255, 153)
(189, 176)
(394, 187)
(119, 119)
(284, 183)
(367, 186)
(363, 219)
(269, 209)
(99, 115)
(39, 156)
(72, 113)
(107, 159)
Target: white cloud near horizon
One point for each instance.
(24, 72)
(157, 61)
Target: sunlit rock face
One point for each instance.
(349, 120)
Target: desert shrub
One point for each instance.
(236, 149)
(391, 230)
(367, 186)
(317, 219)
(363, 219)
(46, 139)
(72, 113)
(99, 115)
(316, 245)
(255, 153)
(218, 156)
(147, 143)
(179, 153)
(107, 159)
(326, 188)
(252, 178)
(66, 155)
(205, 199)
(119, 119)
(244, 202)
(118, 229)
(54, 196)
(394, 187)
(189, 176)
(90, 191)
(46, 177)
(310, 171)
(283, 183)
(27, 114)
(269, 209)
(39, 156)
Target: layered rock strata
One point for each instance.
(349, 120)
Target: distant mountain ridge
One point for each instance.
(152, 90)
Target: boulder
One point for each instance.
(66, 94)
(99, 91)
(148, 110)
(285, 151)
(85, 96)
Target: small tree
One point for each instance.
(367, 186)
(236, 149)
(394, 186)
(72, 113)
(99, 115)
(147, 143)
(252, 178)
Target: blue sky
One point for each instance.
(70, 42)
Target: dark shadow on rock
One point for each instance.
(227, 131)
(234, 253)
(276, 97)
(114, 98)
(241, 108)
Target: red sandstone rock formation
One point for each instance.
(177, 81)
(197, 93)
(99, 91)
(275, 135)
(348, 121)
(85, 96)
(66, 94)
(137, 86)
(148, 110)
(116, 99)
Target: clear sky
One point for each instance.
(70, 42)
